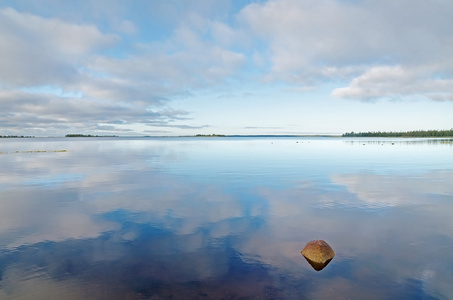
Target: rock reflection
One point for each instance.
(318, 254)
(318, 266)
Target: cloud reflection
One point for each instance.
(142, 231)
(33, 216)
(392, 190)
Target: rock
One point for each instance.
(318, 254)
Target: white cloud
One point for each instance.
(27, 111)
(377, 82)
(35, 50)
(388, 44)
(396, 82)
(187, 59)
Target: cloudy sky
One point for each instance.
(228, 67)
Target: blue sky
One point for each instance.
(227, 67)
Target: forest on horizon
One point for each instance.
(415, 133)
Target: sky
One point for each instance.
(176, 67)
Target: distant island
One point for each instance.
(210, 135)
(16, 136)
(408, 134)
(87, 135)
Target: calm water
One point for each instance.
(225, 218)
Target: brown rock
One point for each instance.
(318, 253)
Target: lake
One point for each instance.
(225, 218)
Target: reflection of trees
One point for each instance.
(427, 141)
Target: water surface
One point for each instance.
(225, 218)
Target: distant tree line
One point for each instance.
(16, 136)
(416, 133)
(87, 135)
